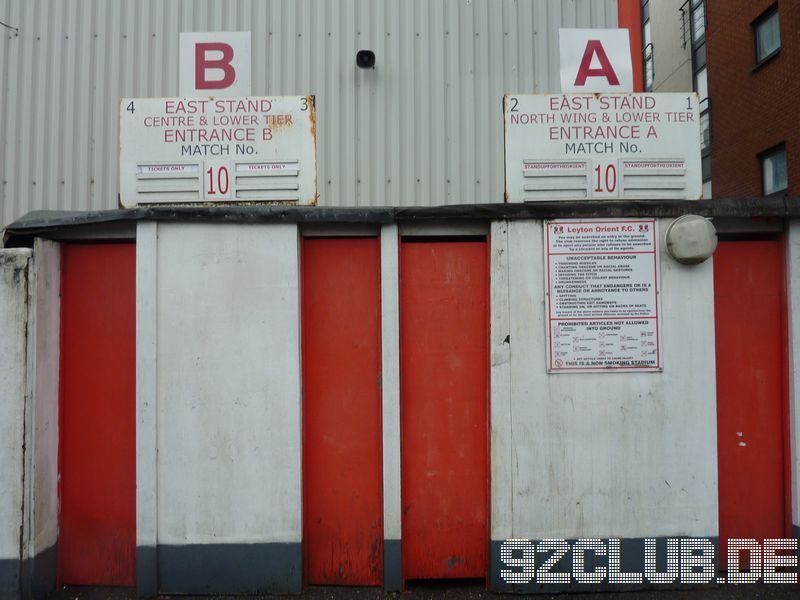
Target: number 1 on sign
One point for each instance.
(217, 181)
(605, 179)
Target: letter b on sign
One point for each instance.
(217, 63)
(203, 65)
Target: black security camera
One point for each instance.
(365, 59)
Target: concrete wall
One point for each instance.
(390, 388)
(219, 471)
(13, 324)
(624, 455)
(793, 291)
(227, 478)
(40, 528)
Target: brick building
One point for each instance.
(753, 49)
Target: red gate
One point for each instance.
(444, 404)
(343, 513)
(97, 415)
(750, 313)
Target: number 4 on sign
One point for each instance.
(217, 181)
(604, 180)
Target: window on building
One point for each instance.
(701, 87)
(647, 47)
(694, 15)
(705, 166)
(698, 10)
(774, 178)
(767, 34)
(705, 132)
(693, 22)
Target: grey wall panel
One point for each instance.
(423, 128)
(672, 60)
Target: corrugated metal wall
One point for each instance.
(423, 128)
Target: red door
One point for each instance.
(97, 446)
(343, 512)
(444, 404)
(751, 390)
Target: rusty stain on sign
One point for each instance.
(312, 103)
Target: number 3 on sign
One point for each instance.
(605, 179)
(217, 181)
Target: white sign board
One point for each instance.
(595, 60)
(214, 63)
(602, 295)
(184, 150)
(604, 146)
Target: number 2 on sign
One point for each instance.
(217, 181)
(604, 179)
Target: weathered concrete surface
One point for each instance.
(13, 324)
(583, 455)
(228, 475)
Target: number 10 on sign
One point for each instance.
(217, 181)
(604, 179)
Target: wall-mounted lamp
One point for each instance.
(691, 239)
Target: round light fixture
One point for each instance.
(691, 239)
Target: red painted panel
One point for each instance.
(343, 513)
(97, 446)
(749, 306)
(629, 17)
(443, 371)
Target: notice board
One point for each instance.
(218, 150)
(602, 146)
(603, 300)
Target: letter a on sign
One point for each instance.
(595, 60)
(215, 63)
